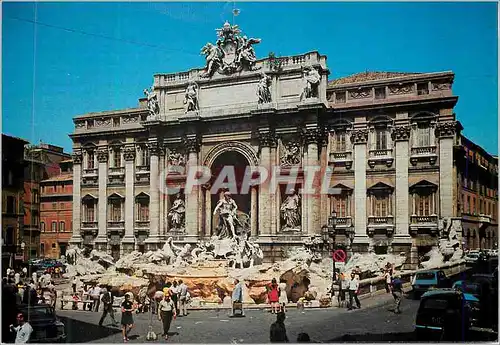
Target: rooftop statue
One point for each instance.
(153, 106)
(231, 53)
(311, 81)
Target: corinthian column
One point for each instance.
(267, 139)
(192, 201)
(153, 239)
(359, 139)
(311, 198)
(102, 240)
(129, 157)
(446, 134)
(76, 237)
(401, 135)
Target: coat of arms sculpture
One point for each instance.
(231, 53)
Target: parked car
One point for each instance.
(472, 293)
(443, 315)
(472, 258)
(426, 280)
(46, 327)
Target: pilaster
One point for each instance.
(446, 134)
(102, 158)
(154, 204)
(359, 139)
(401, 135)
(312, 135)
(129, 154)
(267, 139)
(76, 238)
(162, 196)
(253, 211)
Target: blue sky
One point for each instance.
(53, 72)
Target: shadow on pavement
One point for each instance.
(370, 337)
(84, 332)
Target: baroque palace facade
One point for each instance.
(390, 139)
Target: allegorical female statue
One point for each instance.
(312, 79)
(191, 97)
(263, 91)
(177, 214)
(290, 211)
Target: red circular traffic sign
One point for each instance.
(339, 255)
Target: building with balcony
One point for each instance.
(41, 162)
(388, 137)
(56, 212)
(477, 194)
(12, 199)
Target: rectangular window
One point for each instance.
(381, 206)
(54, 226)
(422, 88)
(142, 211)
(42, 226)
(381, 139)
(53, 246)
(424, 205)
(116, 122)
(42, 249)
(340, 142)
(339, 204)
(144, 156)
(116, 211)
(380, 93)
(423, 136)
(468, 205)
(11, 204)
(340, 97)
(90, 160)
(89, 212)
(117, 161)
(62, 227)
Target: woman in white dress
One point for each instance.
(283, 299)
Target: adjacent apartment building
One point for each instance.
(477, 195)
(12, 199)
(41, 162)
(56, 208)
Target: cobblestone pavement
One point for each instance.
(212, 326)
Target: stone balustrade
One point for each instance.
(380, 220)
(89, 225)
(382, 153)
(340, 156)
(424, 219)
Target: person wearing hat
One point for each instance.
(166, 313)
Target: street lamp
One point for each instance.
(328, 235)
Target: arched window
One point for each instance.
(142, 207)
(42, 226)
(62, 227)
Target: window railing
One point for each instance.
(117, 171)
(142, 168)
(142, 223)
(380, 220)
(116, 224)
(415, 219)
(427, 150)
(341, 156)
(380, 153)
(92, 171)
(89, 225)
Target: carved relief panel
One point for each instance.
(290, 150)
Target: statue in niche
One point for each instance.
(311, 79)
(263, 89)
(227, 216)
(176, 159)
(290, 211)
(213, 56)
(152, 103)
(245, 53)
(177, 214)
(291, 155)
(191, 97)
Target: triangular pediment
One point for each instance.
(381, 186)
(423, 184)
(342, 186)
(116, 196)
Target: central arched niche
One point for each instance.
(240, 164)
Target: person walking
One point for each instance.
(273, 296)
(127, 318)
(283, 298)
(23, 330)
(278, 329)
(96, 297)
(175, 295)
(353, 291)
(183, 291)
(237, 296)
(107, 300)
(166, 313)
(388, 280)
(397, 293)
(73, 284)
